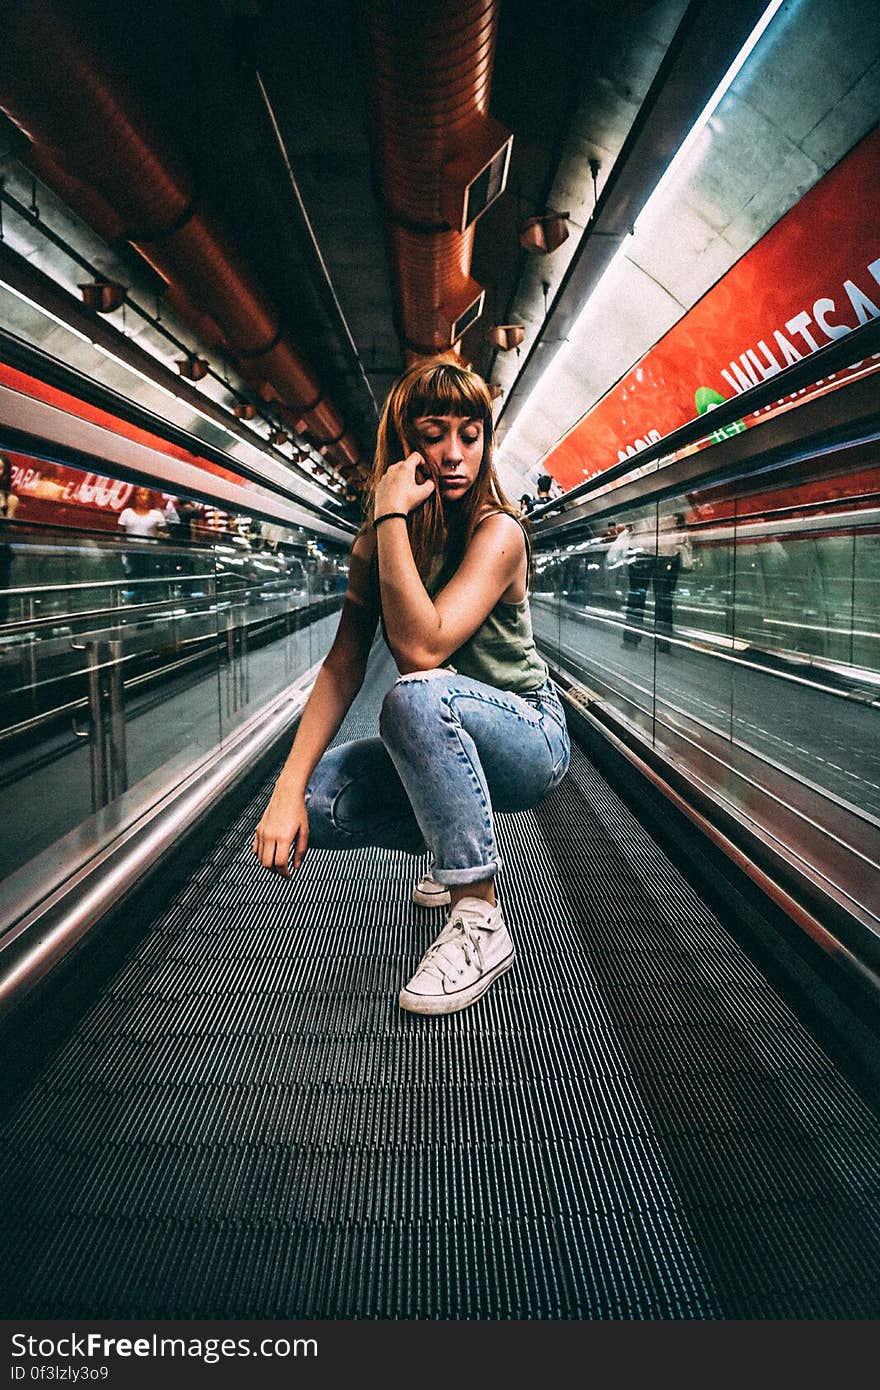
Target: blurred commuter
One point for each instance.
(545, 489)
(8, 499)
(181, 515)
(655, 560)
(187, 513)
(141, 521)
(545, 492)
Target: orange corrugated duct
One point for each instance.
(440, 158)
(87, 123)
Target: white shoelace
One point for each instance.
(460, 937)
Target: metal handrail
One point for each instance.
(114, 541)
(74, 706)
(119, 582)
(232, 597)
(56, 899)
(123, 582)
(37, 362)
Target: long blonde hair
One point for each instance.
(437, 387)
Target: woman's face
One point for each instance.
(454, 445)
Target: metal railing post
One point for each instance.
(96, 723)
(229, 623)
(32, 642)
(288, 632)
(116, 694)
(243, 669)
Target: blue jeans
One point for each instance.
(451, 751)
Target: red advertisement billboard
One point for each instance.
(52, 493)
(814, 277)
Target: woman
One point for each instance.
(142, 519)
(473, 722)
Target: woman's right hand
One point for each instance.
(403, 486)
(285, 823)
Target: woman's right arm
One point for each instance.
(285, 821)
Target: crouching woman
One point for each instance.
(472, 726)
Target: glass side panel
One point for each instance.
(131, 649)
(748, 612)
(805, 690)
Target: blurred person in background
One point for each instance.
(655, 559)
(141, 521)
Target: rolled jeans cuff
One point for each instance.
(454, 878)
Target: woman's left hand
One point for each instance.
(399, 489)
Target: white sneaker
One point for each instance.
(429, 893)
(472, 950)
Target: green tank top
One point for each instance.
(502, 651)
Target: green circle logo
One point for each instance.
(705, 398)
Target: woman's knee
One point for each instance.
(413, 699)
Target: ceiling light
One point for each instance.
(47, 313)
(476, 173)
(545, 233)
(550, 375)
(507, 335)
(192, 367)
(457, 315)
(103, 295)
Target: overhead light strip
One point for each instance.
(714, 101)
(47, 313)
(145, 346)
(181, 401)
(660, 187)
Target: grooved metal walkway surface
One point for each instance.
(631, 1124)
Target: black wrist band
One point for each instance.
(387, 516)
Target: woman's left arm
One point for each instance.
(424, 632)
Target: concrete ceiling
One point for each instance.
(809, 91)
(268, 103)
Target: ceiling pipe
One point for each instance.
(440, 158)
(86, 123)
(97, 213)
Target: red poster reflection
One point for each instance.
(53, 494)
